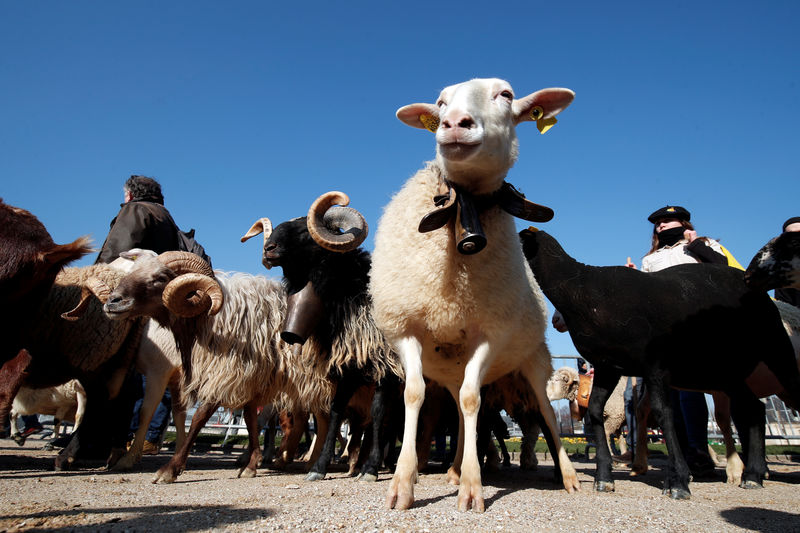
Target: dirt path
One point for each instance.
(208, 497)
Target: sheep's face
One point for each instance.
(563, 384)
(289, 245)
(475, 125)
(139, 292)
(776, 265)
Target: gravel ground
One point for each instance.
(208, 497)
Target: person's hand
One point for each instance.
(630, 264)
(690, 235)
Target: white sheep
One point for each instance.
(463, 320)
(66, 402)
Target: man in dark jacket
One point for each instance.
(142, 221)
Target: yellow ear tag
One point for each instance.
(430, 122)
(545, 124)
(533, 229)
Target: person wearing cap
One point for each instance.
(676, 242)
(789, 295)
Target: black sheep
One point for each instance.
(326, 276)
(695, 327)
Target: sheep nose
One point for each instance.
(270, 247)
(465, 122)
(113, 299)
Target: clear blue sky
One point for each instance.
(250, 109)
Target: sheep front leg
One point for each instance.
(401, 489)
(604, 383)
(170, 471)
(676, 484)
(154, 388)
(537, 378)
(470, 492)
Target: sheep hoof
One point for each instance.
(677, 493)
(369, 478)
(247, 472)
(314, 476)
(604, 486)
(750, 484)
(164, 477)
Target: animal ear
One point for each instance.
(542, 107)
(423, 116)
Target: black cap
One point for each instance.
(670, 211)
(792, 220)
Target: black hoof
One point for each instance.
(677, 494)
(314, 476)
(749, 484)
(604, 486)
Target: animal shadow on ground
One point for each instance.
(511, 479)
(762, 520)
(180, 518)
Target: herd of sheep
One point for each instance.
(452, 299)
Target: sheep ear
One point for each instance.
(423, 116)
(542, 107)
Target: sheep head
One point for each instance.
(776, 265)
(475, 125)
(563, 384)
(180, 283)
(330, 226)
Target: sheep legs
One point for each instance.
(537, 378)
(154, 388)
(749, 414)
(604, 382)
(177, 463)
(253, 453)
(344, 391)
(369, 471)
(401, 489)
(470, 491)
(676, 483)
(722, 414)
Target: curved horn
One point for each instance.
(92, 286)
(185, 262)
(262, 224)
(190, 294)
(322, 216)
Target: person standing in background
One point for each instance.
(675, 242)
(789, 295)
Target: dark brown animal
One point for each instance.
(29, 263)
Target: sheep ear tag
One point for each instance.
(544, 124)
(430, 122)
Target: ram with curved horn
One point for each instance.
(326, 275)
(232, 354)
